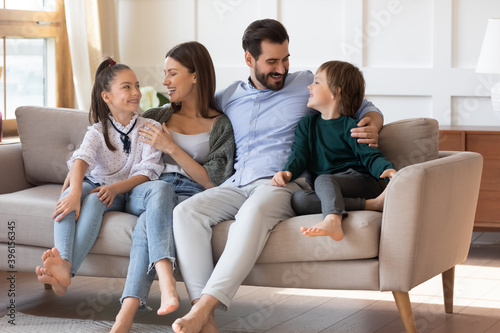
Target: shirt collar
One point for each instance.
(120, 126)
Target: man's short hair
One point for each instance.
(266, 29)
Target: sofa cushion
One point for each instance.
(287, 244)
(32, 210)
(410, 141)
(49, 136)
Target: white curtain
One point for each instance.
(92, 32)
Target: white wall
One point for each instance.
(418, 56)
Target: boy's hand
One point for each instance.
(281, 178)
(388, 173)
(366, 132)
(106, 193)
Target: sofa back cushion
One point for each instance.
(49, 136)
(410, 141)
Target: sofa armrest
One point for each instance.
(12, 176)
(428, 219)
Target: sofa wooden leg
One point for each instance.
(405, 311)
(47, 286)
(448, 287)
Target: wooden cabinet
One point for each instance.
(486, 141)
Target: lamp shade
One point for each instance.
(489, 57)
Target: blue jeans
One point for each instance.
(74, 239)
(153, 237)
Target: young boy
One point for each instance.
(343, 168)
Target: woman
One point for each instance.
(198, 146)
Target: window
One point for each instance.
(34, 57)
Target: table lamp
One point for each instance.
(489, 59)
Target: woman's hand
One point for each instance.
(366, 132)
(66, 205)
(388, 173)
(106, 193)
(160, 139)
(281, 178)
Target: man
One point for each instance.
(264, 112)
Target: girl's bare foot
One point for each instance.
(330, 226)
(45, 277)
(58, 267)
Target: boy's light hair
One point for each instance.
(349, 79)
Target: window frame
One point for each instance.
(40, 24)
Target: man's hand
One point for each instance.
(366, 132)
(281, 178)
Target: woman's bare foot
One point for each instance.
(45, 277)
(331, 226)
(376, 204)
(58, 267)
(169, 297)
(200, 318)
(125, 318)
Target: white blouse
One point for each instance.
(108, 167)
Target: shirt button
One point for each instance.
(251, 123)
(255, 103)
(71, 147)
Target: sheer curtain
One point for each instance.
(92, 33)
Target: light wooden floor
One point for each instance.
(256, 309)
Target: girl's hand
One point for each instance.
(66, 182)
(66, 205)
(281, 178)
(106, 194)
(160, 139)
(388, 173)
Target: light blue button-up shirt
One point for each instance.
(264, 123)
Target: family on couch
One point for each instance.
(187, 150)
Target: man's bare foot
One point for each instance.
(58, 267)
(376, 204)
(200, 318)
(331, 227)
(45, 277)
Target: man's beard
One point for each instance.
(262, 78)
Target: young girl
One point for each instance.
(110, 162)
(198, 146)
(323, 144)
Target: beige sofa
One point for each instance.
(425, 228)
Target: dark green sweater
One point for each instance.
(327, 147)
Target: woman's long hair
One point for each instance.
(196, 58)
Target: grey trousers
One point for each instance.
(337, 193)
(256, 209)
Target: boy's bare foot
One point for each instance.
(200, 318)
(376, 204)
(331, 227)
(45, 277)
(58, 267)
